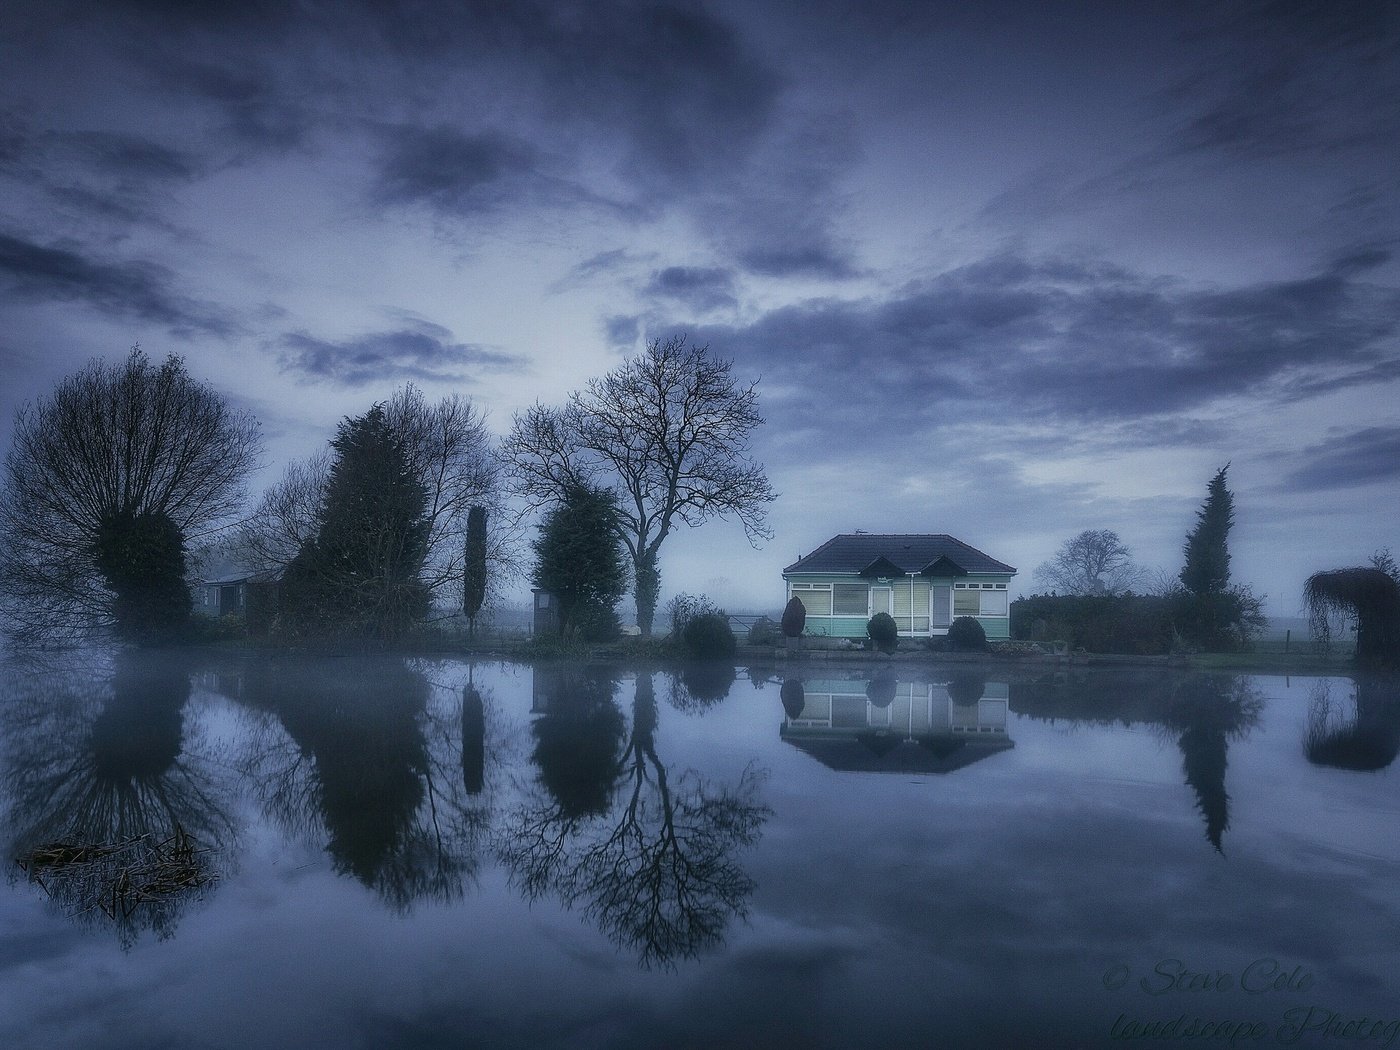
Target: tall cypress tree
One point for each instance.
(474, 572)
(1207, 568)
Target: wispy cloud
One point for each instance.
(421, 351)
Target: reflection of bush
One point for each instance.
(1369, 742)
(881, 689)
(966, 688)
(700, 685)
(793, 696)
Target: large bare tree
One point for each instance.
(668, 433)
(1094, 562)
(118, 453)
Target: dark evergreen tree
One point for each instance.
(474, 575)
(1207, 568)
(362, 574)
(578, 557)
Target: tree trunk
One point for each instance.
(647, 588)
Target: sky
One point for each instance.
(1001, 270)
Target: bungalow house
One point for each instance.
(251, 595)
(923, 581)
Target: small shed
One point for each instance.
(546, 619)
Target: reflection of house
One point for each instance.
(923, 581)
(911, 727)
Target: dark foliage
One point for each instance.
(474, 571)
(794, 618)
(1368, 742)
(1138, 624)
(883, 631)
(1207, 568)
(702, 684)
(597, 623)
(709, 637)
(142, 559)
(966, 635)
(1370, 598)
(362, 573)
(578, 558)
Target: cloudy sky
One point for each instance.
(1004, 270)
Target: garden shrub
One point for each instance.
(763, 632)
(883, 631)
(709, 637)
(967, 636)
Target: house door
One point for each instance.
(228, 600)
(880, 600)
(941, 595)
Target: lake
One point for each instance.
(266, 850)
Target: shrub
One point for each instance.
(1127, 623)
(685, 607)
(967, 636)
(794, 617)
(709, 637)
(883, 631)
(763, 632)
(597, 623)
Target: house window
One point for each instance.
(979, 599)
(815, 597)
(850, 599)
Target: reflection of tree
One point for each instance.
(111, 815)
(1209, 711)
(355, 761)
(1203, 712)
(656, 871)
(1368, 742)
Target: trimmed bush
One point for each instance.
(709, 637)
(967, 636)
(794, 617)
(883, 631)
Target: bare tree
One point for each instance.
(114, 445)
(1094, 562)
(668, 433)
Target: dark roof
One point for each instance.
(853, 552)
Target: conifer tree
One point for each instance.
(1207, 568)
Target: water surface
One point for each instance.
(384, 852)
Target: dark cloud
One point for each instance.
(1282, 77)
(1363, 457)
(141, 290)
(622, 331)
(130, 156)
(265, 106)
(1042, 339)
(701, 288)
(421, 351)
(452, 172)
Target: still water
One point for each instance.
(264, 851)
